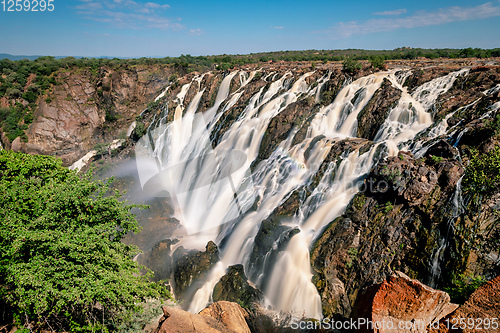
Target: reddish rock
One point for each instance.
(72, 118)
(220, 317)
(230, 314)
(483, 306)
(401, 304)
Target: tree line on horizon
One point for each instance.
(17, 87)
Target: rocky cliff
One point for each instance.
(88, 106)
(423, 209)
(354, 176)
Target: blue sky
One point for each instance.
(135, 28)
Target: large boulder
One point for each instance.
(234, 287)
(191, 268)
(221, 317)
(402, 304)
(159, 259)
(232, 315)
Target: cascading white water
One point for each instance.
(411, 114)
(213, 186)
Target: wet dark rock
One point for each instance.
(271, 238)
(442, 149)
(376, 111)
(477, 133)
(466, 97)
(295, 116)
(191, 267)
(421, 76)
(396, 224)
(234, 287)
(159, 259)
(415, 181)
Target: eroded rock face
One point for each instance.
(415, 180)
(70, 121)
(376, 111)
(399, 301)
(220, 317)
(271, 238)
(159, 259)
(190, 269)
(388, 226)
(234, 287)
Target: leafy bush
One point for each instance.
(482, 176)
(30, 96)
(139, 131)
(111, 116)
(388, 207)
(377, 62)
(436, 159)
(494, 125)
(62, 262)
(463, 286)
(351, 66)
(173, 78)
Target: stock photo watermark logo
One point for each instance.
(358, 324)
(206, 185)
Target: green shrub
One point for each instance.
(139, 130)
(30, 96)
(111, 116)
(377, 62)
(351, 66)
(482, 175)
(388, 207)
(173, 78)
(62, 261)
(463, 286)
(436, 159)
(352, 254)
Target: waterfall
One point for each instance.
(456, 210)
(217, 195)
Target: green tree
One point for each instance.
(377, 62)
(62, 262)
(351, 66)
(482, 175)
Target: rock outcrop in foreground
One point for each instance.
(220, 317)
(401, 303)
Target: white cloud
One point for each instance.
(391, 12)
(127, 14)
(195, 32)
(419, 19)
(279, 28)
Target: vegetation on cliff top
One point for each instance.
(62, 263)
(23, 82)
